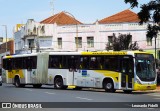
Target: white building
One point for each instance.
(62, 32)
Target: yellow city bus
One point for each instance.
(110, 70)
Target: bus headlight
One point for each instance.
(138, 81)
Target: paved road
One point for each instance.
(8, 93)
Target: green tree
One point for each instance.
(122, 42)
(149, 12)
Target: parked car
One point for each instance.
(0, 80)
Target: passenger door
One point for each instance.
(72, 69)
(127, 71)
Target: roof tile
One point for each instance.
(61, 18)
(124, 16)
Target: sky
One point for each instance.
(13, 12)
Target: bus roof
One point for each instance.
(81, 53)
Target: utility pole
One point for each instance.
(6, 36)
(52, 7)
(155, 47)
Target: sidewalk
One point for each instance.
(158, 88)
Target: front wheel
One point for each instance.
(58, 83)
(109, 86)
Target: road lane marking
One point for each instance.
(84, 98)
(151, 108)
(158, 95)
(49, 93)
(156, 98)
(28, 89)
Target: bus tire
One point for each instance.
(58, 83)
(108, 85)
(127, 91)
(17, 82)
(37, 85)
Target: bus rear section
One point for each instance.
(26, 69)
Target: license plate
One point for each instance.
(148, 87)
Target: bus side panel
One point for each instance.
(52, 73)
(88, 78)
(10, 75)
(30, 76)
(9, 78)
(115, 76)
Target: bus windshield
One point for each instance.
(145, 67)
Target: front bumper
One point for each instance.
(144, 87)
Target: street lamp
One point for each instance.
(76, 30)
(6, 36)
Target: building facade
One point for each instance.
(6, 50)
(62, 32)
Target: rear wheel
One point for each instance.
(109, 86)
(17, 82)
(58, 83)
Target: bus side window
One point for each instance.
(111, 63)
(17, 63)
(100, 62)
(9, 64)
(93, 63)
(29, 63)
(32, 62)
(24, 63)
(60, 62)
(55, 62)
(4, 64)
(81, 63)
(84, 61)
(64, 62)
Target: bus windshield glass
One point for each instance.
(145, 67)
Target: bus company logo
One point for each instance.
(6, 105)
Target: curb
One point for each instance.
(102, 90)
